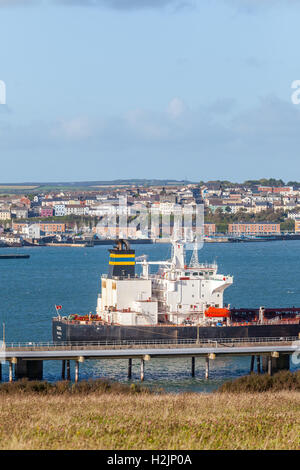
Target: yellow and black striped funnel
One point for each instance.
(121, 260)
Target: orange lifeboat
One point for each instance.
(215, 312)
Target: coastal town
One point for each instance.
(232, 211)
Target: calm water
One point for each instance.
(264, 274)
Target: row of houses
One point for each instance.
(252, 200)
(213, 195)
(155, 231)
(36, 230)
(209, 230)
(107, 230)
(127, 201)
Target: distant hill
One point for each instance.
(84, 185)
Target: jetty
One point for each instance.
(14, 256)
(271, 354)
(72, 245)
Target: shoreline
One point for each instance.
(87, 244)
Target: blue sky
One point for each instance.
(107, 89)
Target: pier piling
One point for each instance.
(129, 368)
(258, 364)
(10, 371)
(68, 370)
(275, 362)
(76, 371)
(31, 370)
(206, 368)
(269, 365)
(193, 366)
(0, 372)
(142, 369)
(252, 364)
(63, 369)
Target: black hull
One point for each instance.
(65, 331)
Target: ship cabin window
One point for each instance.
(195, 274)
(186, 274)
(211, 273)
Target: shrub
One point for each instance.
(283, 380)
(84, 387)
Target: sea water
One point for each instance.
(265, 274)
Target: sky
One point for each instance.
(178, 89)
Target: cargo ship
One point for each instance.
(178, 302)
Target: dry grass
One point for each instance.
(150, 421)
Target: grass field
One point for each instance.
(4, 187)
(150, 421)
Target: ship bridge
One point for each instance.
(177, 291)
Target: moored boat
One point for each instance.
(179, 301)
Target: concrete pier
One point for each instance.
(32, 370)
(271, 353)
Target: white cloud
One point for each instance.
(78, 128)
(11, 3)
(216, 139)
(176, 108)
(129, 4)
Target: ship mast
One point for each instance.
(194, 261)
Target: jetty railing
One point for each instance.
(52, 345)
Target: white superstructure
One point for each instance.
(177, 294)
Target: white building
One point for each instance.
(60, 210)
(34, 231)
(76, 209)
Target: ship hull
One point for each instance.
(67, 331)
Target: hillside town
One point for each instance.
(230, 211)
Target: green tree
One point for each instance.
(288, 225)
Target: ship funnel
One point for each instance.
(121, 260)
